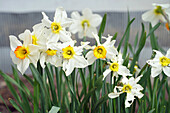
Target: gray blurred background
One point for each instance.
(16, 16)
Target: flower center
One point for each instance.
(127, 88)
(85, 23)
(100, 52)
(114, 66)
(56, 27)
(51, 52)
(21, 52)
(68, 52)
(164, 61)
(158, 10)
(34, 40)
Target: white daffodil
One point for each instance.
(136, 69)
(72, 57)
(130, 87)
(159, 13)
(85, 24)
(39, 38)
(159, 63)
(57, 29)
(23, 54)
(116, 67)
(101, 51)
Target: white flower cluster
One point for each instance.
(51, 42)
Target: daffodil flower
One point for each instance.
(57, 28)
(101, 51)
(116, 67)
(159, 13)
(130, 87)
(85, 24)
(72, 57)
(39, 38)
(23, 54)
(159, 63)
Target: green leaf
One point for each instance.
(126, 39)
(8, 78)
(52, 86)
(54, 109)
(127, 28)
(29, 79)
(136, 41)
(82, 76)
(102, 26)
(114, 36)
(152, 39)
(152, 110)
(5, 103)
(99, 102)
(153, 29)
(15, 105)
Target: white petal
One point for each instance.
(75, 27)
(123, 71)
(106, 72)
(75, 15)
(14, 42)
(87, 13)
(65, 63)
(113, 95)
(65, 36)
(95, 20)
(97, 38)
(45, 20)
(70, 67)
(139, 94)
(166, 70)
(22, 67)
(148, 16)
(90, 57)
(168, 53)
(138, 78)
(155, 71)
(158, 54)
(26, 37)
(80, 62)
(42, 59)
(14, 58)
(154, 63)
(129, 100)
(60, 14)
(138, 87)
(91, 30)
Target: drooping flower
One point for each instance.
(159, 63)
(130, 87)
(85, 24)
(23, 54)
(116, 66)
(52, 56)
(160, 12)
(72, 57)
(57, 29)
(101, 51)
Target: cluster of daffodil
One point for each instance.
(161, 12)
(51, 42)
